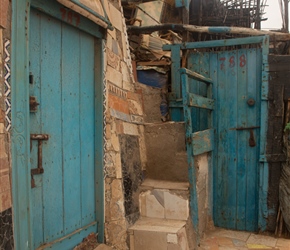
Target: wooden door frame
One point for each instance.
(20, 136)
(263, 168)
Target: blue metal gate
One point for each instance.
(239, 87)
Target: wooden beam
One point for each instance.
(278, 36)
(195, 75)
(203, 141)
(200, 101)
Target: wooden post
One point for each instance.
(286, 18)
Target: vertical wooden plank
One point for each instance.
(243, 137)
(264, 170)
(253, 89)
(99, 130)
(70, 127)
(193, 86)
(222, 145)
(232, 111)
(50, 110)
(213, 122)
(20, 125)
(87, 128)
(203, 70)
(35, 126)
(190, 157)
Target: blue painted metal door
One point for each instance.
(62, 80)
(237, 82)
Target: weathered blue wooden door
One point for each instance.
(237, 122)
(237, 88)
(62, 128)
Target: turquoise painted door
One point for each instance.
(237, 89)
(237, 119)
(62, 81)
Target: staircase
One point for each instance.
(164, 213)
(173, 198)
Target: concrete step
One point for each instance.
(158, 234)
(164, 200)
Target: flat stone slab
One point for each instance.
(157, 225)
(103, 247)
(161, 184)
(256, 239)
(239, 235)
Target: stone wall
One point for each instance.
(6, 233)
(123, 131)
(125, 157)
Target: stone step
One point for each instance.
(149, 183)
(165, 200)
(158, 234)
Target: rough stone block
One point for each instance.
(130, 129)
(116, 233)
(116, 17)
(113, 60)
(5, 200)
(4, 12)
(114, 76)
(2, 127)
(125, 72)
(118, 166)
(4, 183)
(2, 146)
(103, 247)
(135, 107)
(115, 142)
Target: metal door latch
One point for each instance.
(39, 169)
(33, 104)
(252, 142)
